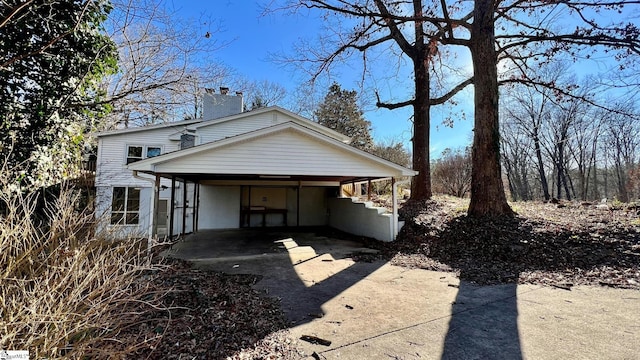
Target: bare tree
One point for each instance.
(528, 109)
(262, 93)
(622, 141)
(402, 29)
(583, 145)
(530, 33)
(516, 155)
(160, 78)
(452, 172)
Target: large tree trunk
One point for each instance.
(487, 189)
(421, 185)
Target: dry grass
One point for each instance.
(62, 291)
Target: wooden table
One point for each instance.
(245, 215)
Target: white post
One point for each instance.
(153, 219)
(394, 199)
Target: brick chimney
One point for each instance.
(220, 105)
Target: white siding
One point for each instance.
(287, 152)
(219, 207)
(103, 215)
(218, 131)
(111, 171)
(112, 155)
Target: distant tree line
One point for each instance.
(556, 146)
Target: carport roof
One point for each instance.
(285, 151)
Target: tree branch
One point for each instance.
(392, 106)
(446, 97)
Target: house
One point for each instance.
(233, 169)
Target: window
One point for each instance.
(139, 152)
(187, 141)
(125, 206)
(134, 153)
(153, 151)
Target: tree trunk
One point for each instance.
(558, 182)
(487, 190)
(569, 190)
(543, 176)
(421, 185)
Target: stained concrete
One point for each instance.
(379, 311)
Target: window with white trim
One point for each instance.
(139, 152)
(125, 206)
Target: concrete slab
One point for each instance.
(417, 314)
(379, 311)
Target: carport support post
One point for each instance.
(184, 207)
(394, 200)
(173, 204)
(196, 205)
(298, 203)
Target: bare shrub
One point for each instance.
(452, 173)
(63, 292)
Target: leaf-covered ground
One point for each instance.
(193, 314)
(546, 243)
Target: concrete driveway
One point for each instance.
(379, 311)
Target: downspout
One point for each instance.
(152, 203)
(394, 196)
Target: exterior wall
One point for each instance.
(313, 206)
(103, 214)
(112, 155)
(357, 218)
(285, 152)
(219, 207)
(218, 131)
(111, 171)
(104, 196)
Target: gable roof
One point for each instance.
(176, 124)
(283, 149)
(198, 123)
(302, 121)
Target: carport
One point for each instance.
(284, 175)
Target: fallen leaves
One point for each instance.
(208, 315)
(544, 244)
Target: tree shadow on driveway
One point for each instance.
(484, 323)
(494, 255)
(303, 269)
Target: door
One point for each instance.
(163, 217)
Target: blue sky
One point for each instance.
(253, 37)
